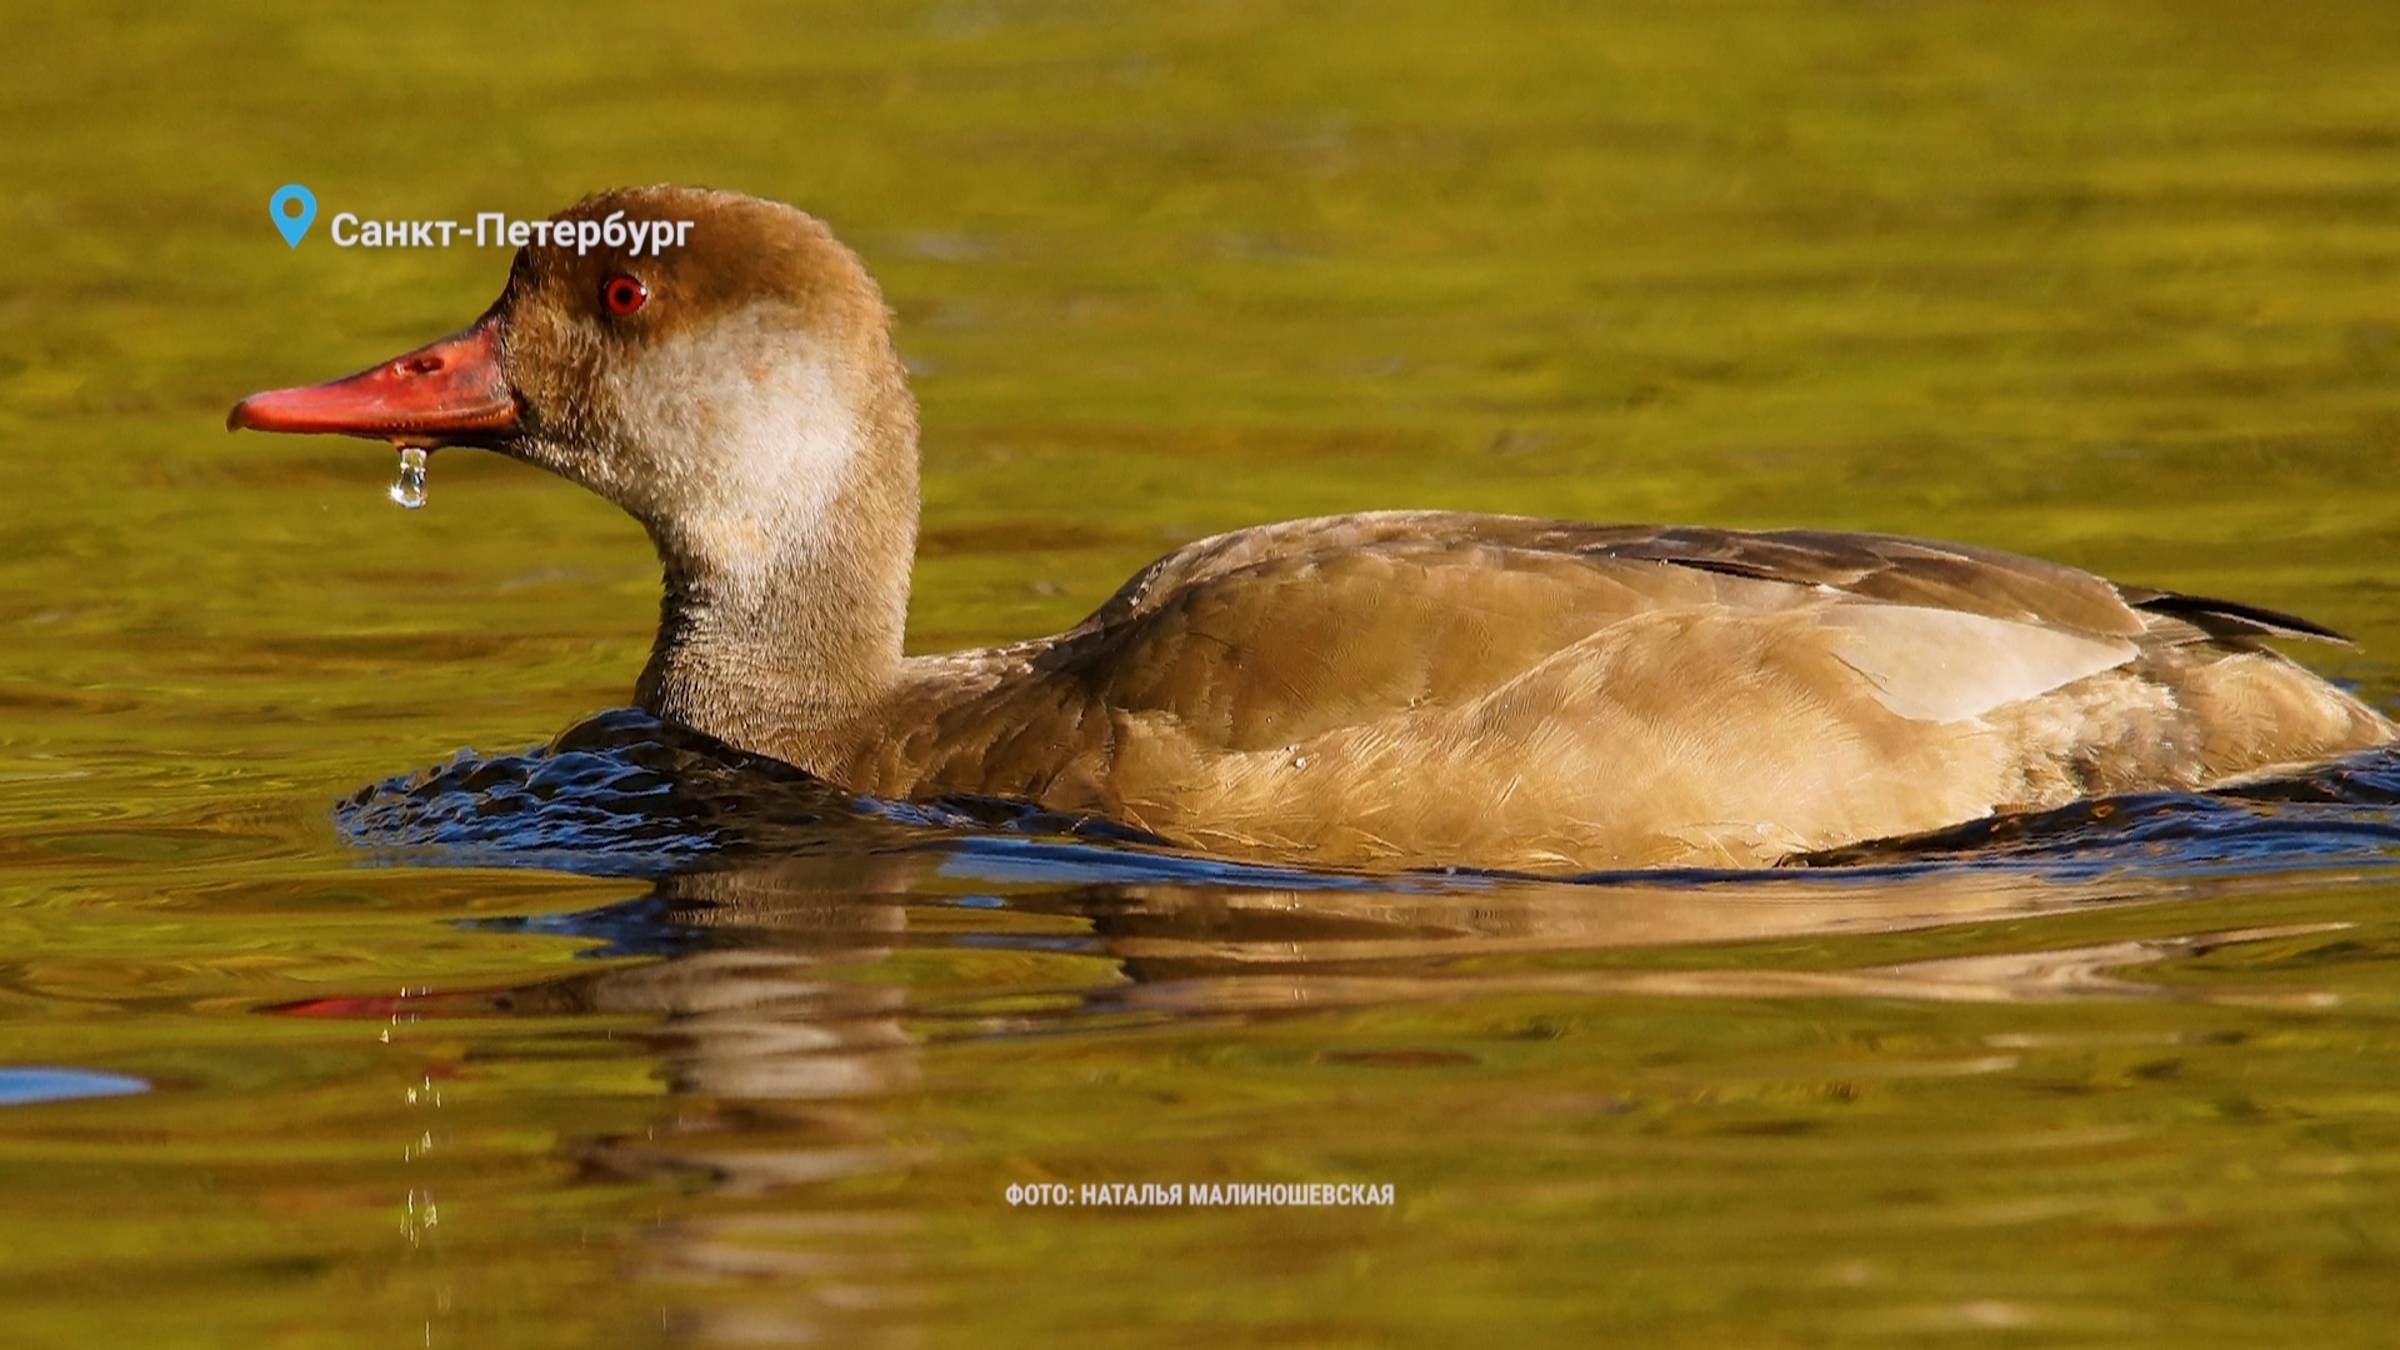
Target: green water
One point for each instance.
(2111, 283)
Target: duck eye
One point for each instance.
(622, 295)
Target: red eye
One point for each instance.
(622, 295)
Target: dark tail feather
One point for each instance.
(2230, 618)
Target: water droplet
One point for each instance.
(409, 488)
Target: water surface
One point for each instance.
(660, 1050)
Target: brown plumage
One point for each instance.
(1388, 689)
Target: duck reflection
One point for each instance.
(785, 1023)
(779, 1063)
(751, 1022)
(771, 980)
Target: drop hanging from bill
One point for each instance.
(408, 489)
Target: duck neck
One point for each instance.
(781, 624)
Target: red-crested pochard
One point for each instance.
(1392, 689)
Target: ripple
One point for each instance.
(622, 793)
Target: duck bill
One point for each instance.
(451, 390)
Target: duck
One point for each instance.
(1387, 690)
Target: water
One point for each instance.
(408, 487)
(624, 1041)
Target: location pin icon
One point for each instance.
(293, 208)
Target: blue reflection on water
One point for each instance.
(25, 1086)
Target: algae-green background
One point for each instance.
(2113, 283)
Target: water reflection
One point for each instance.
(775, 1068)
(775, 1000)
(21, 1086)
(758, 976)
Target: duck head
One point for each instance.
(738, 394)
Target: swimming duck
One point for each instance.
(1390, 689)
